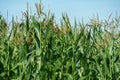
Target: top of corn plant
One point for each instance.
(37, 48)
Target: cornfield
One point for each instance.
(37, 48)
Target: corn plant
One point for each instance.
(38, 48)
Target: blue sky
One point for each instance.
(74, 8)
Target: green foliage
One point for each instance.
(38, 49)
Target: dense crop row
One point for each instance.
(39, 49)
